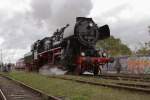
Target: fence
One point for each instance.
(132, 64)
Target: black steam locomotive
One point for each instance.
(71, 47)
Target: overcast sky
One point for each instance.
(24, 21)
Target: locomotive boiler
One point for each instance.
(72, 47)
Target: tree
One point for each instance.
(145, 49)
(114, 45)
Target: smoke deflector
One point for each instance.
(104, 32)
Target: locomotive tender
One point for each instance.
(71, 47)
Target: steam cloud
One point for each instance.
(44, 17)
(57, 13)
(46, 70)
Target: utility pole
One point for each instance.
(149, 30)
(148, 44)
(1, 58)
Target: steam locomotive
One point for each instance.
(71, 48)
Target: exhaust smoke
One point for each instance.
(46, 70)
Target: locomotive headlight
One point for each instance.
(104, 54)
(91, 24)
(82, 54)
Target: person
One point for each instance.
(118, 65)
(9, 67)
(0, 67)
(5, 68)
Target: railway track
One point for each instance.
(14, 90)
(2, 96)
(130, 77)
(119, 85)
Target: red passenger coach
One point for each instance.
(20, 65)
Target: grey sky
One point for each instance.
(24, 21)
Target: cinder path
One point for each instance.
(13, 91)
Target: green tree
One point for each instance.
(145, 49)
(114, 45)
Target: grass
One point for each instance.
(101, 80)
(75, 91)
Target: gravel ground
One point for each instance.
(16, 92)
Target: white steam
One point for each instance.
(46, 70)
(57, 13)
(31, 20)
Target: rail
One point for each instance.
(125, 86)
(2, 96)
(33, 90)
